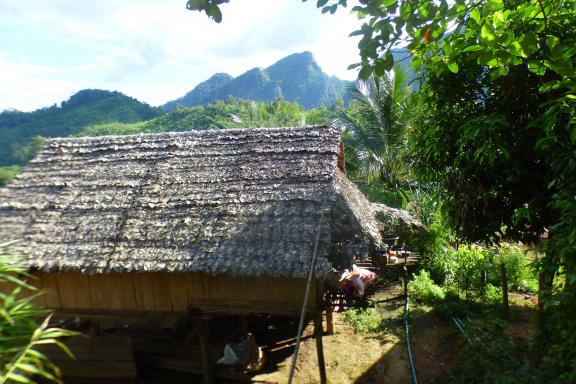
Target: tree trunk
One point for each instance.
(483, 280)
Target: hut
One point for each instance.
(220, 221)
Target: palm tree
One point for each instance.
(376, 123)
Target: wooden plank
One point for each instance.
(179, 291)
(74, 289)
(291, 291)
(113, 288)
(50, 285)
(247, 288)
(105, 291)
(196, 286)
(228, 288)
(127, 290)
(267, 289)
(162, 293)
(144, 289)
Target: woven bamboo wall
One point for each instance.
(158, 291)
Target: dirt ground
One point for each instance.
(375, 358)
(382, 357)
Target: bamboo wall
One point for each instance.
(156, 291)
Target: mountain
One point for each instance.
(86, 107)
(296, 78)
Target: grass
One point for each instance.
(364, 320)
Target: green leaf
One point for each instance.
(214, 12)
(17, 282)
(537, 67)
(20, 378)
(487, 33)
(554, 84)
(388, 61)
(473, 48)
(453, 67)
(388, 3)
(552, 41)
(195, 5)
(495, 4)
(475, 15)
(499, 72)
(405, 10)
(321, 3)
(365, 72)
(379, 69)
(416, 63)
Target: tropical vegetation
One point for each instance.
(22, 338)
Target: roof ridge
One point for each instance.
(196, 132)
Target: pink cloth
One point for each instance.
(354, 283)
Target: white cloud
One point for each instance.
(153, 47)
(29, 86)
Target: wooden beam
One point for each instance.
(329, 320)
(320, 347)
(205, 350)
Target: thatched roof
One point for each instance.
(393, 218)
(239, 202)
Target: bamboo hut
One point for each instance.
(220, 221)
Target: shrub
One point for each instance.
(423, 288)
(521, 274)
(363, 320)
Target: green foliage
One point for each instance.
(364, 320)
(379, 191)
(323, 115)
(233, 113)
(462, 267)
(115, 128)
(376, 122)
(489, 357)
(433, 246)
(522, 275)
(422, 288)
(8, 173)
(21, 338)
(18, 130)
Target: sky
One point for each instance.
(155, 50)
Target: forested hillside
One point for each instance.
(295, 78)
(232, 113)
(87, 107)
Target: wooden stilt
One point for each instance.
(329, 320)
(320, 347)
(205, 350)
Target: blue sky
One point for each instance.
(155, 50)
